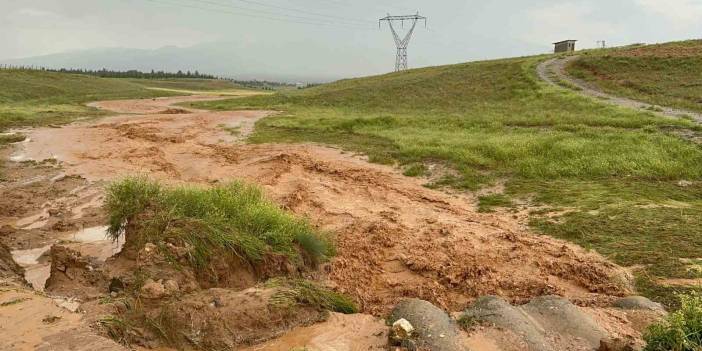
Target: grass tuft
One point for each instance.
(230, 219)
(305, 292)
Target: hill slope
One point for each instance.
(30, 98)
(666, 74)
(599, 175)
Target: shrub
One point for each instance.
(681, 330)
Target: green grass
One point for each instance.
(186, 84)
(234, 219)
(36, 98)
(11, 138)
(680, 331)
(307, 293)
(615, 170)
(666, 75)
(488, 203)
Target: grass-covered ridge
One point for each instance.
(35, 98)
(234, 219)
(663, 74)
(604, 170)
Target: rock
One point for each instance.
(616, 345)
(171, 287)
(638, 303)
(401, 330)
(685, 183)
(433, 328)
(153, 290)
(497, 311)
(558, 315)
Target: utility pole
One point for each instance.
(402, 42)
(601, 44)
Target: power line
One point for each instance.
(380, 7)
(304, 11)
(281, 18)
(269, 12)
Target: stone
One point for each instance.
(152, 290)
(638, 303)
(429, 323)
(171, 287)
(559, 315)
(497, 311)
(401, 330)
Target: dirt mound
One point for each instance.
(223, 319)
(74, 275)
(9, 269)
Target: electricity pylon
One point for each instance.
(401, 60)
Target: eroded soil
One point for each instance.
(395, 238)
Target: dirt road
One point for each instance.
(553, 71)
(395, 238)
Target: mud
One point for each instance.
(395, 238)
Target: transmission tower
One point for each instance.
(401, 60)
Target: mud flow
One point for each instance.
(395, 238)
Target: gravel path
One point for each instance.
(553, 72)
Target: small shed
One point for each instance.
(565, 46)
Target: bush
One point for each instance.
(681, 330)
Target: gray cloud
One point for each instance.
(236, 44)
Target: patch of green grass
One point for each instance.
(305, 292)
(467, 322)
(680, 331)
(664, 74)
(415, 170)
(35, 98)
(613, 169)
(233, 219)
(11, 138)
(488, 203)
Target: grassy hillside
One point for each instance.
(666, 74)
(31, 98)
(607, 178)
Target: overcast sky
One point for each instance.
(457, 31)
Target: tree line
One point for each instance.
(153, 74)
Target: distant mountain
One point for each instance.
(263, 62)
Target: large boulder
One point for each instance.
(433, 328)
(638, 303)
(559, 316)
(496, 311)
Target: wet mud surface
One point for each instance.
(396, 239)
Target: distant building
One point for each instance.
(565, 46)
